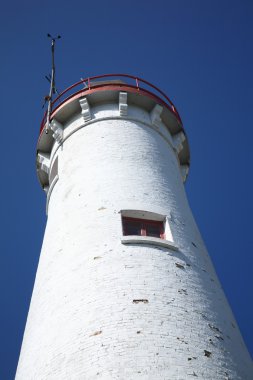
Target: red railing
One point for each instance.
(124, 80)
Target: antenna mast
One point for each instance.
(52, 81)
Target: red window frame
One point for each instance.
(144, 224)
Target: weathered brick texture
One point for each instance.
(83, 321)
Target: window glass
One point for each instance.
(53, 171)
(131, 227)
(153, 230)
(143, 227)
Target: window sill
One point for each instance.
(132, 239)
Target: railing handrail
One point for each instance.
(136, 79)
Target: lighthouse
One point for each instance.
(125, 288)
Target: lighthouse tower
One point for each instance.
(125, 288)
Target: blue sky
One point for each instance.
(200, 54)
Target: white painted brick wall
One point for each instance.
(83, 323)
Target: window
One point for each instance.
(143, 227)
(53, 171)
(53, 179)
(147, 228)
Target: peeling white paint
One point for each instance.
(105, 310)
